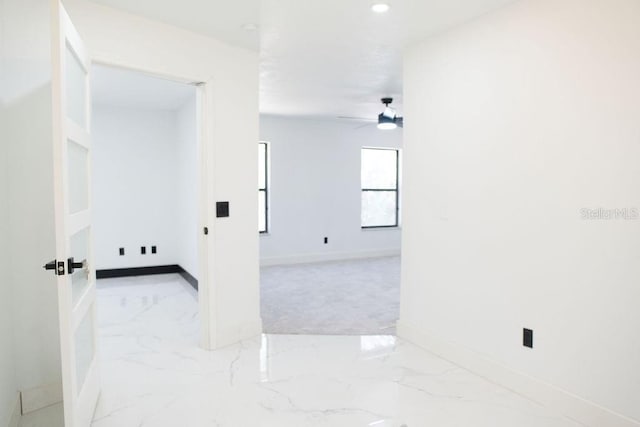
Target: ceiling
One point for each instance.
(338, 58)
(220, 19)
(117, 87)
(319, 59)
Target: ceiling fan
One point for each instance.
(387, 120)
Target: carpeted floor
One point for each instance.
(357, 297)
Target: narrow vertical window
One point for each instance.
(263, 191)
(380, 192)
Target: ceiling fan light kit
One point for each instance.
(388, 119)
(386, 123)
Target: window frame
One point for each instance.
(266, 187)
(387, 190)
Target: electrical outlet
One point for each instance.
(527, 338)
(143, 250)
(154, 250)
(121, 251)
(326, 240)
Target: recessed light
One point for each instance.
(380, 7)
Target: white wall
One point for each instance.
(515, 122)
(187, 186)
(8, 380)
(27, 140)
(231, 119)
(135, 186)
(315, 190)
(145, 186)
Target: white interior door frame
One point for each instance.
(204, 176)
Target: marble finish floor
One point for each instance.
(154, 375)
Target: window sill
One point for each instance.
(381, 228)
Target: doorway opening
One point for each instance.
(330, 250)
(146, 202)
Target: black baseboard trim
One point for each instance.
(137, 271)
(148, 271)
(188, 277)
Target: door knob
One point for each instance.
(56, 266)
(72, 265)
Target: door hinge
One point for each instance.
(206, 231)
(58, 267)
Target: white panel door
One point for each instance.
(72, 191)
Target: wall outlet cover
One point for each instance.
(222, 209)
(527, 338)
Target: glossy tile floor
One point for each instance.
(155, 376)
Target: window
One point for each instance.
(380, 196)
(263, 193)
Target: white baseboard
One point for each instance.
(561, 401)
(325, 257)
(41, 397)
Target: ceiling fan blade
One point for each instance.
(365, 125)
(362, 119)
